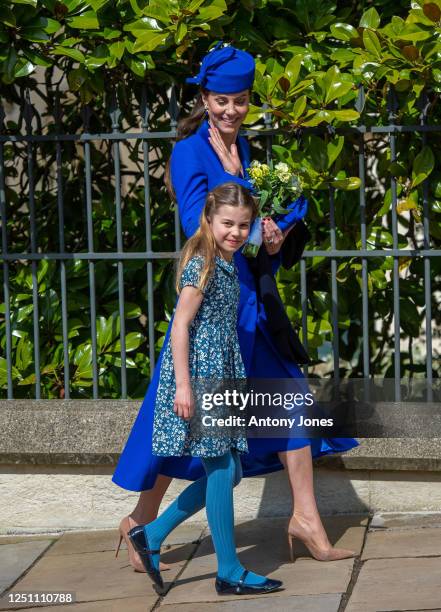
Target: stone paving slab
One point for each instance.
(405, 520)
(397, 584)
(343, 531)
(263, 548)
(311, 603)
(16, 539)
(71, 543)
(128, 604)
(107, 539)
(96, 576)
(407, 543)
(186, 533)
(16, 558)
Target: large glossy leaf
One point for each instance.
(334, 148)
(347, 184)
(414, 33)
(83, 361)
(75, 54)
(422, 166)
(23, 68)
(372, 44)
(32, 3)
(117, 49)
(346, 114)
(7, 17)
(132, 341)
(292, 69)
(334, 85)
(370, 19)
(86, 21)
(150, 40)
(254, 114)
(23, 356)
(410, 319)
(213, 10)
(108, 331)
(299, 108)
(343, 31)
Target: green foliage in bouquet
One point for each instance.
(274, 185)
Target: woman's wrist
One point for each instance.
(237, 173)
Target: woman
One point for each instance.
(209, 152)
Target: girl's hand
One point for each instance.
(229, 157)
(184, 402)
(272, 236)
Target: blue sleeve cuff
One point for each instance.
(227, 178)
(298, 210)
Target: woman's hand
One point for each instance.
(229, 157)
(272, 236)
(184, 401)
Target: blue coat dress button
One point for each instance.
(251, 300)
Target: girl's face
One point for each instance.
(227, 111)
(230, 226)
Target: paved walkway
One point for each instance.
(398, 568)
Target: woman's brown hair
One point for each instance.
(186, 127)
(202, 242)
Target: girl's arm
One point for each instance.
(188, 305)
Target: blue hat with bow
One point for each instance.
(225, 70)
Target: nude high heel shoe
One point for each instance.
(295, 530)
(125, 526)
(134, 559)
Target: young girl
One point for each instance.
(204, 344)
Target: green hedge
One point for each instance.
(320, 68)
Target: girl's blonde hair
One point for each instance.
(202, 242)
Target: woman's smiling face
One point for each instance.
(227, 111)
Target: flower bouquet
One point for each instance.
(275, 186)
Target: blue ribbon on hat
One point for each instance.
(212, 61)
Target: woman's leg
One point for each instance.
(298, 464)
(146, 510)
(305, 523)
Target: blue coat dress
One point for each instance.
(195, 169)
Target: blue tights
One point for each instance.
(215, 492)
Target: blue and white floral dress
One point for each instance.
(214, 353)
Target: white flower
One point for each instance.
(282, 172)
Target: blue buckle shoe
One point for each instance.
(225, 587)
(141, 544)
